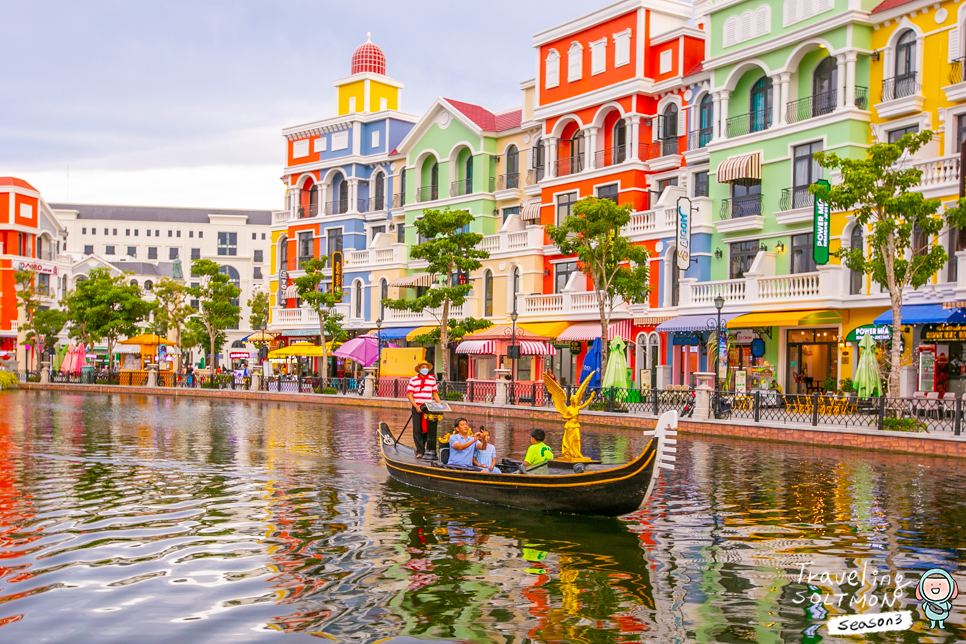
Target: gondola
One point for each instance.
(597, 489)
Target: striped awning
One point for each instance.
(741, 169)
(477, 347)
(419, 279)
(291, 292)
(652, 320)
(958, 304)
(531, 211)
(535, 348)
(591, 330)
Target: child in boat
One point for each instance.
(461, 445)
(538, 452)
(484, 456)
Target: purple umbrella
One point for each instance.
(364, 350)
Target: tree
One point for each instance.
(259, 310)
(216, 297)
(105, 307)
(617, 268)
(29, 297)
(450, 252)
(173, 309)
(901, 224)
(45, 327)
(323, 303)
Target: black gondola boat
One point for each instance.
(601, 489)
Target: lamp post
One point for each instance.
(378, 350)
(718, 304)
(513, 343)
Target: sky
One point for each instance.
(182, 103)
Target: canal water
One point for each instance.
(149, 519)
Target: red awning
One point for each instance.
(586, 331)
(535, 348)
(477, 347)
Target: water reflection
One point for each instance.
(128, 518)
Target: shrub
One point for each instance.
(329, 390)
(903, 425)
(846, 385)
(8, 380)
(454, 396)
(829, 384)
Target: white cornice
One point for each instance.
(597, 97)
(337, 162)
(777, 131)
(527, 84)
(901, 10)
(607, 13)
(677, 33)
(379, 78)
(344, 122)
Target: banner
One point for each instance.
(337, 270)
(37, 267)
(684, 233)
(821, 228)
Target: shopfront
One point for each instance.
(938, 332)
(686, 337)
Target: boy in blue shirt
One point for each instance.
(461, 445)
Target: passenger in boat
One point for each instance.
(422, 389)
(538, 452)
(462, 444)
(484, 456)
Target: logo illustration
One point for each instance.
(936, 590)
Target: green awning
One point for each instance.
(879, 333)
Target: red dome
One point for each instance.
(368, 58)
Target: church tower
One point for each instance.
(368, 89)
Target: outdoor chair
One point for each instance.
(948, 404)
(932, 404)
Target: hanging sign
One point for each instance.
(723, 354)
(757, 348)
(337, 270)
(943, 333)
(684, 233)
(821, 227)
(37, 267)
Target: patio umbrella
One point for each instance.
(67, 365)
(592, 363)
(149, 339)
(616, 375)
(867, 373)
(364, 350)
(80, 359)
(59, 357)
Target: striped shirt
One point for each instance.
(422, 388)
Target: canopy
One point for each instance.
(685, 323)
(505, 332)
(591, 330)
(867, 381)
(878, 332)
(592, 363)
(923, 314)
(419, 279)
(259, 336)
(785, 318)
(653, 320)
(616, 374)
(302, 350)
(477, 347)
(291, 292)
(536, 348)
(396, 333)
(148, 339)
(740, 169)
(364, 350)
(531, 211)
(422, 330)
(550, 330)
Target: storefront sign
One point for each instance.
(645, 380)
(282, 284)
(943, 333)
(757, 347)
(741, 382)
(684, 233)
(36, 267)
(744, 336)
(879, 333)
(337, 270)
(575, 347)
(822, 227)
(239, 355)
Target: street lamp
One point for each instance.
(513, 358)
(718, 304)
(378, 350)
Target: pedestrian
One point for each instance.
(421, 390)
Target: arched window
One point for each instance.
(383, 294)
(313, 201)
(232, 274)
(468, 173)
(379, 200)
(668, 130)
(761, 105)
(134, 282)
(824, 86)
(283, 254)
(357, 289)
(705, 120)
(538, 161)
(402, 189)
(487, 294)
(434, 181)
(515, 285)
(577, 152)
(619, 142)
(855, 277)
(905, 77)
(343, 196)
(148, 285)
(512, 168)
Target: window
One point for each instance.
(375, 139)
(608, 192)
(383, 294)
(148, 285)
(618, 142)
(108, 250)
(152, 252)
(127, 233)
(148, 233)
(761, 105)
(920, 242)
(552, 69)
(668, 130)
(132, 251)
(107, 231)
(575, 62)
(134, 282)
(749, 24)
(258, 256)
(191, 233)
(855, 277)
(705, 120)
(227, 243)
(173, 253)
(195, 253)
(334, 241)
(88, 250)
(84, 230)
(357, 297)
(487, 294)
(135, 232)
(905, 64)
(960, 133)
(115, 232)
(598, 56)
(564, 205)
(665, 61)
(802, 258)
(512, 167)
(157, 233)
(194, 304)
(379, 198)
(257, 274)
(701, 184)
(824, 86)
(177, 233)
(305, 247)
(797, 10)
(400, 233)
(201, 234)
(742, 256)
(170, 233)
(805, 172)
(561, 275)
(576, 152)
(233, 276)
(515, 285)
(745, 200)
(515, 210)
(895, 135)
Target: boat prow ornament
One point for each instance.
(570, 410)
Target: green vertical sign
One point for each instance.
(821, 227)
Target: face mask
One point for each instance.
(424, 372)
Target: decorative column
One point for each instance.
(840, 74)
(850, 59)
(591, 148)
(785, 80)
(323, 197)
(551, 150)
(780, 105)
(725, 95)
(633, 121)
(353, 194)
(716, 115)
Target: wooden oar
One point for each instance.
(396, 441)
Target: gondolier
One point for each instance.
(422, 389)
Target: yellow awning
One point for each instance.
(304, 350)
(420, 331)
(785, 318)
(546, 329)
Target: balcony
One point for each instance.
(753, 289)
(747, 206)
(698, 139)
(940, 176)
(610, 156)
(375, 204)
(281, 216)
(862, 97)
(461, 187)
(509, 181)
(797, 197)
(356, 259)
(399, 200)
(811, 106)
(427, 193)
(900, 96)
(564, 306)
(302, 318)
(431, 316)
(535, 175)
(758, 121)
(570, 165)
(513, 241)
(339, 207)
(650, 221)
(956, 90)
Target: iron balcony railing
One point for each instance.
(796, 197)
(570, 165)
(337, 207)
(535, 175)
(361, 204)
(399, 200)
(900, 86)
(700, 138)
(811, 106)
(862, 97)
(956, 71)
(508, 181)
(747, 206)
(376, 204)
(750, 122)
(646, 151)
(427, 193)
(610, 156)
(667, 147)
(313, 209)
(461, 187)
